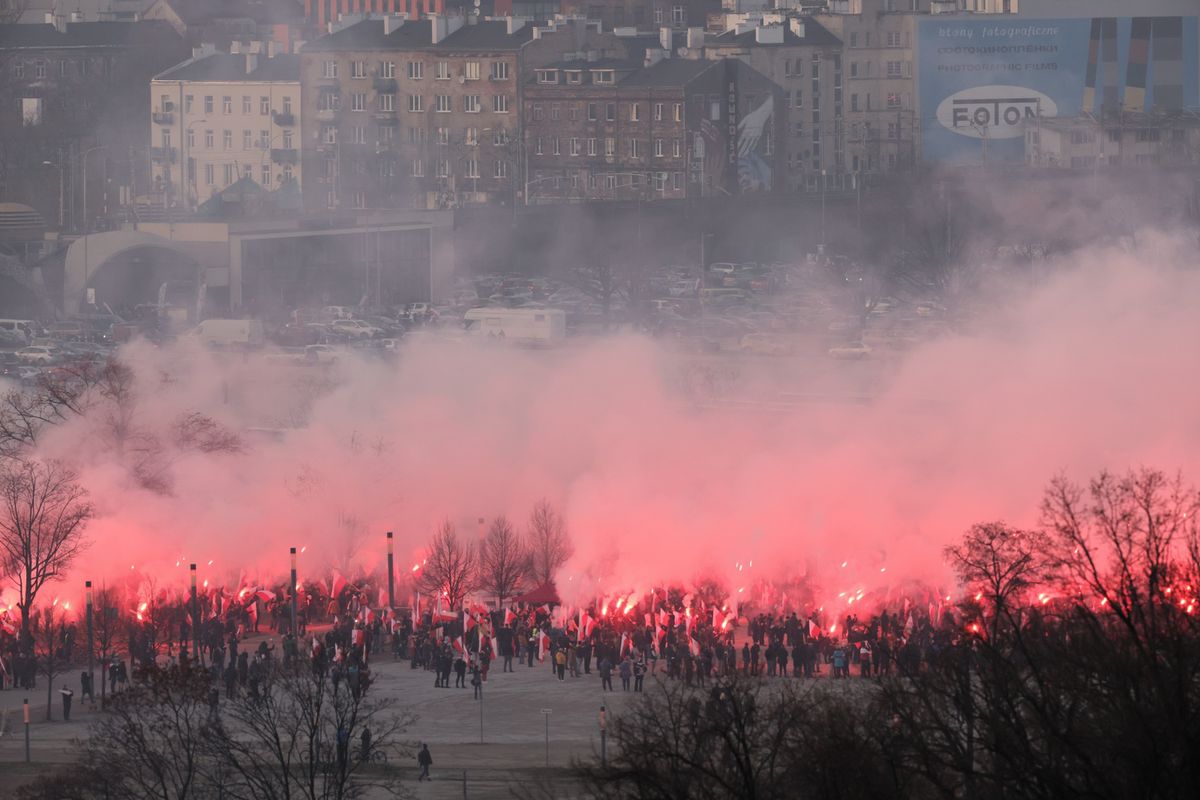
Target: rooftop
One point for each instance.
(814, 35)
(483, 36)
(227, 68)
(83, 34)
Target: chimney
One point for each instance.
(664, 38)
(797, 25)
(254, 46)
(768, 34)
(442, 26)
(76, 16)
(251, 62)
(513, 24)
(653, 56)
(392, 23)
(695, 38)
(272, 48)
(235, 47)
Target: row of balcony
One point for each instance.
(167, 117)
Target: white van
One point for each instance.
(230, 332)
(539, 325)
(16, 331)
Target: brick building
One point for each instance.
(421, 113)
(675, 14)
(805, 60)
(616, 129)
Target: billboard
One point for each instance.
(980, 80)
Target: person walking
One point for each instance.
(626, 670)
(639, 674)
(460, 673)
(605, 667)
(426, 761)
(476, 682)
(67, 695)
(560, 663)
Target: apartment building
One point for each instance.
(1084, 143)
(676, 14)
(418, 114)
(619, 129)
(805, 60)
(221, 117)
(881, 123)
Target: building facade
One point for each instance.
(881, 127)
(805, 60)
(1129, 141)
(221, 117)
(612, 129)
(73, 139)
(676, 14)
(414, 114)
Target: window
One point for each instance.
(799, 101)
(387, 102)
(471, 137)
(472, 168)
(853, 69)
(442, 168)
(417, 135)
(501, 169)
(893, 69)
(610, 147)
(660, 181)
(538, 114)
(677, 149)
(610, 112)
(854, 102)
(191, 139)
(610, 181)
(591, 146)
(331, 199)
(247, 139)
(679, 112)
(417, 168)
(602, 76)
(499, 137)
(245, 104)
(166, 138)
(387, 69)
(557, 146)
(537, 147)
(854, 39)
(634, 148)
(329, 134)
(1149, 135)
(574, 146)
(555, 112)
(575, 76)
(358, 101)
(63, 68)
(266, 175)
(416, 70)
(660, 149)
(208, 140)
(634, 112)
(286, 142)
(677, 16)
(442, 136)
(358, 134)
(358, 69)
(658, 16)
(893, 38)
(500, 103)
(471, 103)
(892, 130)
(330, 70)
(210, 172)
(658, 112)
(499, 70)
(676, 180)
(329, 101)
(441, 104)
(471, 70)
(187, 104)
(547, 76)
(227, 140)
(591, 112)
(359, 199)
(39, 70)
(416, 102)
(893, 100)
(574, 180)
(714, 110)
(229, 176)
(19, 69)
(208, 104)
(226, 105)
(441, 71)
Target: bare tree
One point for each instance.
(47, 627)
(450, 568)
(1002, 563)
(549, 545)
(43, 515)
(503, 560)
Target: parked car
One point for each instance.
(853, 350)
(295, 334)
(354, 328)
(38, 354)
(320, 354)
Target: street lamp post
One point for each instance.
(195, 616)
(292, 591)
(91, 643)
(822, 211)
(391, 574)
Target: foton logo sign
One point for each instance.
(996, 112)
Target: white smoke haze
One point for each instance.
(1095, 368)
